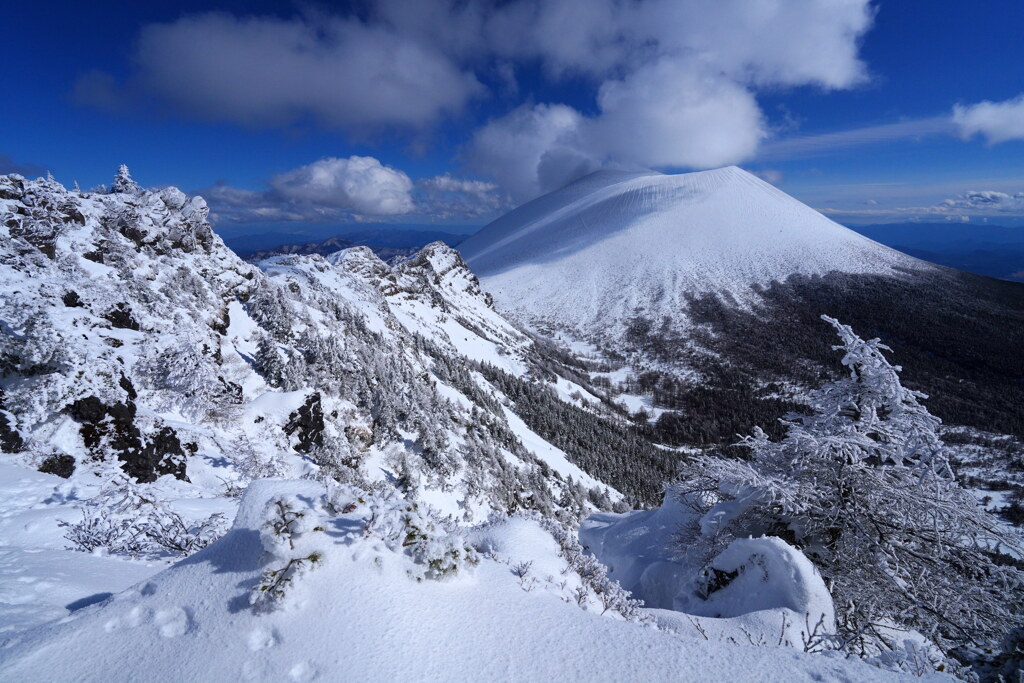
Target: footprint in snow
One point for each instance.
(173, 622)
(303, 671)
(262, 638)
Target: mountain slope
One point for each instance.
(613, 245)
(135, 344)
(333, 244)
(709, 285)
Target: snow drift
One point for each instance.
(758, 588)
(365, 612)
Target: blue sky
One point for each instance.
(450, 112)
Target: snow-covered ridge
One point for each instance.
(613, 245)
(133, 339)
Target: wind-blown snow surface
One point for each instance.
(614, 245)
(361, 616)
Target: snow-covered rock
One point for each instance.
(755, 574)
(761, 588)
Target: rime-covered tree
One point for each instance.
(123, 182)
(862, 486)
(268, 360)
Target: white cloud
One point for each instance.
(986, 201)
(667, 114)
(996, 121)
(355, 188)
(796, 42)
(792, 42)
(445, 196)
(532, 150)
(342, 73)
(961, 208)
(702, 121)
(674, 81)
(360, 184)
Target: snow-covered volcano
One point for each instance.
(614, 245)
(719, 279)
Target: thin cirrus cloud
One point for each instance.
(675, 82)
(357, 187)
(997, 122)
(807, 146)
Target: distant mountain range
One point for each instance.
(386, 243)
(379, 238)
(993, 250)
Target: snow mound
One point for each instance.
(364, 612)
(635, 547)
(758, 589)
(615, 245)
(754, 574)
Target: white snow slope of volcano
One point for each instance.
(613, 245)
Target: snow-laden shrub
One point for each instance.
(165, 529)
(544, 556)
(594, 583)
(918, 657)
(862, 486)
(294, 539)
(594, 576)
(100, 528)
(290, 536)
(126, 520)
(253, 464)
(1004, 662)
(411, 528)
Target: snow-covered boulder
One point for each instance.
(762, 589)
(761, 574)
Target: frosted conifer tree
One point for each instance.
(862, 486)
(123, 182)
(268, 359)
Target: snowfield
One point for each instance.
(362, 615)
